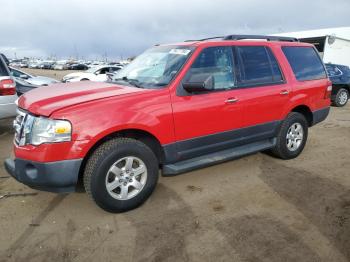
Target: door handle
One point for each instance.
(284, 92)
(231, 100)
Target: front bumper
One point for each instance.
(59, 176)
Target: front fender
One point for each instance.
(149, 111)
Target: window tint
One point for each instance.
(258, 65)
(216, 62)
(103, 71)
(305, 62)
(114, 69)
(276, 71)
(3, 71)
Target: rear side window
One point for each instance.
(258, 66)
(305, 62)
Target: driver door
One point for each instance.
(208, 121)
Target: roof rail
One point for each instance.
(263, 37)
(242, 37)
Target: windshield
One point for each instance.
(154, 68)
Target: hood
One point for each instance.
(46, 100)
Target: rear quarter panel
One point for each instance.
(309, 93)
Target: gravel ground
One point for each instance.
(256, 208)
(56, 74)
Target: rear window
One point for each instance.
(305, 62)
(258, 66)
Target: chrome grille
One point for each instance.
(18, 125)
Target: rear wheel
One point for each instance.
(121, 174)
(341, 97)
(291, 137)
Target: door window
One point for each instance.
(216, 62)
(258, 66)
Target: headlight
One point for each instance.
(45, 130)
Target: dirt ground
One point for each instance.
(256, 208)
(57, 74)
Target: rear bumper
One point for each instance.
(320, 115)
(60, 176)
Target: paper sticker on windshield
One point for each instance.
(180, 51)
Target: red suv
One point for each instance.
(175, 108)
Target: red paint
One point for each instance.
(99, 109)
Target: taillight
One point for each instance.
(328, 92)
(7, 87)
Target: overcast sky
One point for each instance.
(91, 29)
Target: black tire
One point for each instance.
(85, 79)
(339, 100)
(281, 149)
(98, 166)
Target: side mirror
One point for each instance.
(199, 83)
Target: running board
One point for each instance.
(217, 157)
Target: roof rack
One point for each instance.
(263, 37)
(242, 37)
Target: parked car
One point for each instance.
(340, 77)
(176, 108)
(60, 65)
(46, 65)
(32, 79)
(93, 74)
(23, 86)
(34, 65)
(78, 67)
(7, 90)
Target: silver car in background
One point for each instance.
(8, 95)
(32, 79)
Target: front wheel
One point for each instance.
(291, 137)
(121, 174)
(341, 97)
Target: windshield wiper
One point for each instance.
(133, 82)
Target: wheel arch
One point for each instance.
(144, 136)
(305, 111)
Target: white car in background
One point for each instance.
(98, 74)
(32, 79)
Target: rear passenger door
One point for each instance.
(265, 89)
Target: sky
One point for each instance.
(120, 29)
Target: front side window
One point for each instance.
(216, 62)
(305, 62)
(258, 66)
(154, 68)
